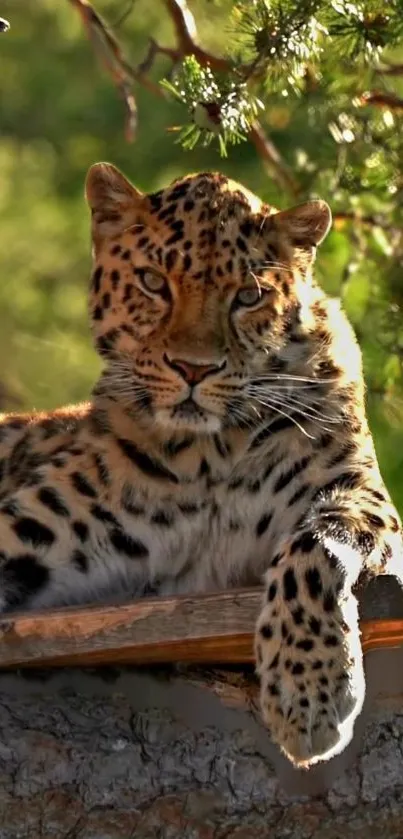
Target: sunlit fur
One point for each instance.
(226, 443)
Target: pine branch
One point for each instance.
(186, 45)
(209, 112)
(123, 73)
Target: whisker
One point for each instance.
(289, 377)
(288, 388)
(278, 410)
(309, 406)
(271, 263)
(256, 279)
(305, 410)
(241, 414)
(312, 414)
(309, 418)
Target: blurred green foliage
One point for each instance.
(60, 113)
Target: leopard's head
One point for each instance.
(197, 291)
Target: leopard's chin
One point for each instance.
(188, 417)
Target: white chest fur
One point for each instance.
(213, 537)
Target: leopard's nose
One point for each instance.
(192, 372)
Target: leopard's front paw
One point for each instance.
(312, 681)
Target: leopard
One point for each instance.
(225, 444)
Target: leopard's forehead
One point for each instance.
(206, 225)
(208, 197)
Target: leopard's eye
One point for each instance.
(250, 296)
(155, 283)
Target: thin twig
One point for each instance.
(124, 15)
(155, 49)
(111, 57)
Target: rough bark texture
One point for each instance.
(154, 755)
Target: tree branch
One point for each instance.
(111, 56)
(390, 70)
(186, 37)
(382, 100)
(271, 156)
(368, 220)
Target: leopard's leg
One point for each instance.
(308, 649)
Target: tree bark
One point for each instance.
(179, 752)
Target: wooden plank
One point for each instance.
(215, 627)
(205, 629)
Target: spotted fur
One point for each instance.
(226, 442)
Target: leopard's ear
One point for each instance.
(305, 225)
(113, 201)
